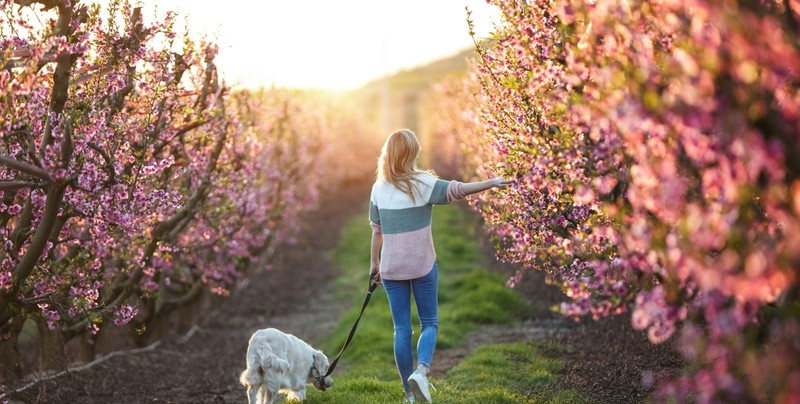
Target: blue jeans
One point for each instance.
(425, 290)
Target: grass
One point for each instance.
(469, 296)
(506, 373)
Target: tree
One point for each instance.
(132, 181)
(654, 148)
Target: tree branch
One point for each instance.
(37, 244)
(60, 91)
(25, 167)
(109, 166)
(55, 195)
(187, 297)
(132, 42)
(16, 185)
(46, 4)
(23, 226)
(91, 72)
(67, 147)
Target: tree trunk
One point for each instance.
(190, 313)
(52, 355)
(88, 345)
(10, 361)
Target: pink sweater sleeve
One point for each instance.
(455, 191)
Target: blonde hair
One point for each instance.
(397, 164)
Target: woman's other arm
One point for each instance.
(375, 255)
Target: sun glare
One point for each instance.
(327, 45)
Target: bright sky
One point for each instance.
(329, 44)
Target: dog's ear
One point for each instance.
(320, 361)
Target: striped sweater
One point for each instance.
(407, 251)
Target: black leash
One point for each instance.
(372, 286)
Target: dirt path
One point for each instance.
(603, 360)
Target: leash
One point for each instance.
(372, 286)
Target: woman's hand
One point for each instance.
(375, 273)
(500, 182)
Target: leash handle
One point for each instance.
(372, 286)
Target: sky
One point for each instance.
(328, 44)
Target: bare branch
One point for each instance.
(25, 167)
(36, 299)
(187, 297)
(67, 147)
(23, 134)
(46, 4)
(180, 132)
(60, 90)
(109, 166)
(23, 226)
(15, 185)
(19, 58)
(90, 73)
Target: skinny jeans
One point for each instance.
(425, 291)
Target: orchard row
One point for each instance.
(656, 152)
(133, 181)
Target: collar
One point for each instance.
(314, 372)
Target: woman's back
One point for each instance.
(405, 223)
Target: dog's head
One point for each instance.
(318, 369)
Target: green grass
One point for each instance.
(506, 373)
(469, 296)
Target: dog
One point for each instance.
(277, 361)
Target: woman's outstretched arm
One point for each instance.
(469, 188)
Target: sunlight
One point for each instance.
(327, 45)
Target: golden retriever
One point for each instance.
(277, 361)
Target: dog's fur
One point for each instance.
(279, 361)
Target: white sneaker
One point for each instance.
(409, 397)
(419, 385)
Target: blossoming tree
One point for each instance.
(655, 151)
(131, 179)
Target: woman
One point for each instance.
(403, 258)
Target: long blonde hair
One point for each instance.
(397, 164)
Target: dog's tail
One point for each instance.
(259, 364)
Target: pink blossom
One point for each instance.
(14, 210)
(6, 280)
(125, 314)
